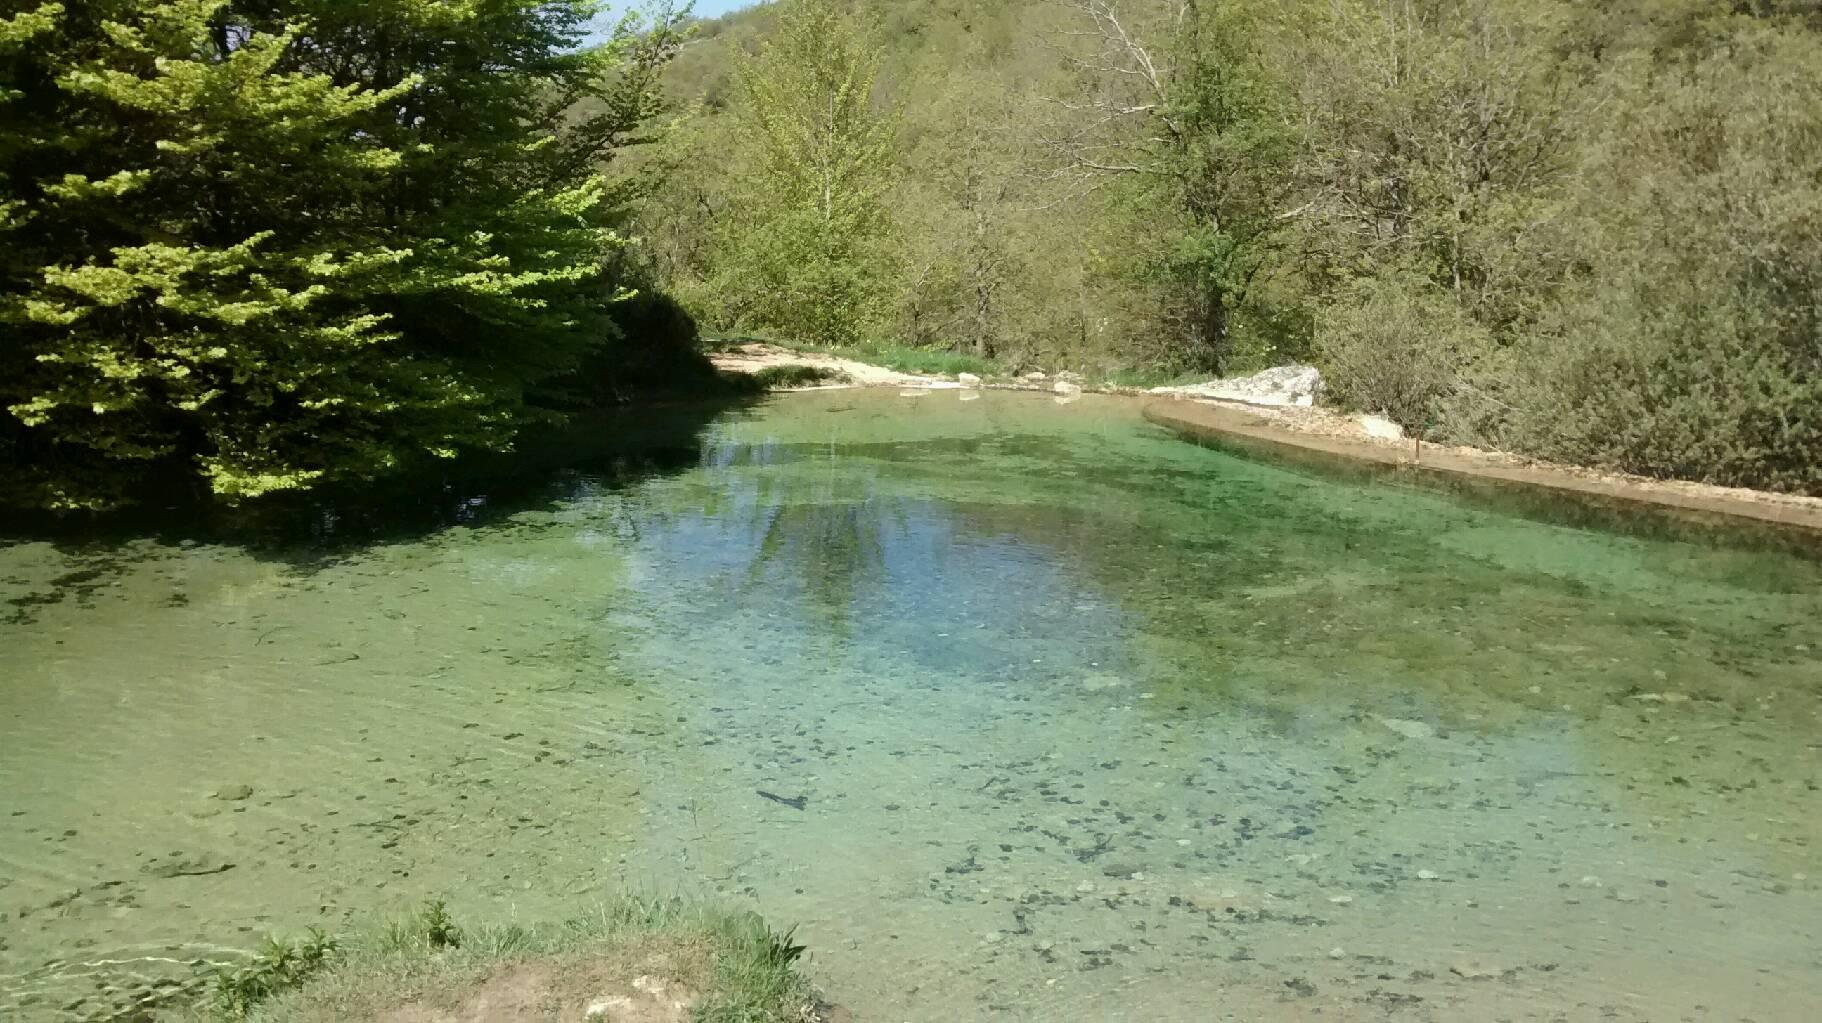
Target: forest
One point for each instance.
(262, 244)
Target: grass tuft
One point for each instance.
(742, 969)
(429, 929)
(277, 967)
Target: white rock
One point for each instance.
(1428, 875)
(1280, 385)
(602, 1009)
(967, 380)
(1380, 428)
(1036, 376)
(659, 988)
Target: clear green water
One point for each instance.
(1089, 723)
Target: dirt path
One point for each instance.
(755, 357)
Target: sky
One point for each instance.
(703, 9)
(712, 8)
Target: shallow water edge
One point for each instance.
(1020, 710)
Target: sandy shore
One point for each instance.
(755, 357)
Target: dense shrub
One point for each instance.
(1690, 342)
(1400, 346)
(658, 351)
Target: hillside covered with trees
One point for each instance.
(250, 246)
(1585, 231)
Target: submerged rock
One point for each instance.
(1301, 987)
(182, 864)
(234, 793)
(1408, 728)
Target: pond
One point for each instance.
(1019, 710)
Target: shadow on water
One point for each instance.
(609, 450)
(1538, 503)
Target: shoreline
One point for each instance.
(1269, 429)
(1327, 434)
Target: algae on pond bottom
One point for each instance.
(1064, 718)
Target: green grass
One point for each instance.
(277, 967)
(741, 969)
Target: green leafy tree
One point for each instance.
(263, 245)
(804, 235)
(958, 216)
(1178, 102)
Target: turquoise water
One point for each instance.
(1069, 720)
